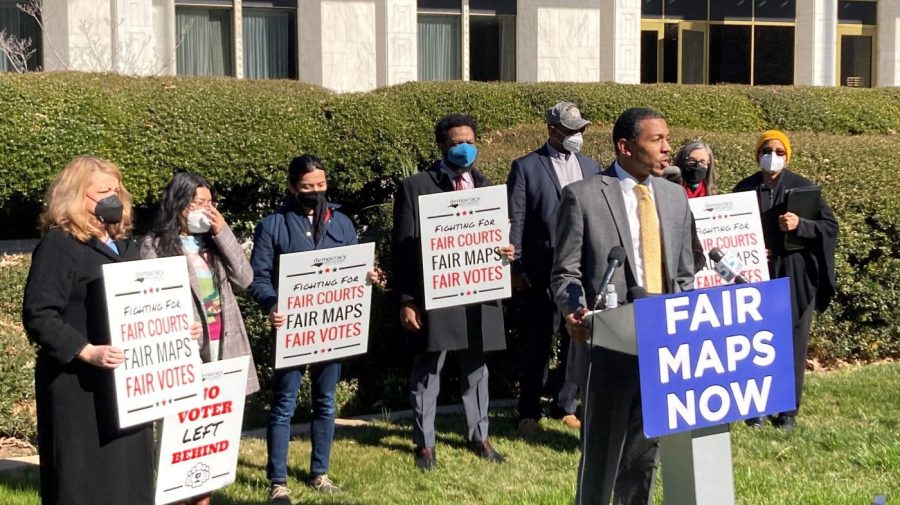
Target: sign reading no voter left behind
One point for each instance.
(150, 317)
(461, 234)
(731, 223)
(199, 443)
(715, 356)
(327, 299)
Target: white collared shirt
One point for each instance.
(628, 182)
(468, 181)
(566, 166)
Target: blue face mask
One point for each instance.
(462, 155)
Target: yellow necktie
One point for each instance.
(651, 247)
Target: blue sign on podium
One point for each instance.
(715, 356)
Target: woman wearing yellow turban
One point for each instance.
(810, 265)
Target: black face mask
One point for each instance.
(109, 210)
(693, 174)
(311, 199)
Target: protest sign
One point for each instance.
(327, 298)
(199, 443)
(150, 316)
(731, 223)
(715, 356)
(462, 232)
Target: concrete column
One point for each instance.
(558, 40)
(397, 42)
(888, 44)
(168, 39)
(620, 41)
(134, 37)
(238, 46)
(465, 38)
(815, 43)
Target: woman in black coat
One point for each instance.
(85, 457)
(810, 267)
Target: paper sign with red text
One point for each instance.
(199, 444)
(150, 313)
(462, 232)
(327, 298)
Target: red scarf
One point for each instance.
(694, 193)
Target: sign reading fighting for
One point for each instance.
(715, 356)
(327, 298)
(731, 223)
(199, 443)
(150, 317)
(462, 232)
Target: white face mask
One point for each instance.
(573, 143)
(197, 222)
(771, 163)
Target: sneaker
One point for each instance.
(322, 484)
(279, 493)
(785, 423)
(528, 427)
(571, 421)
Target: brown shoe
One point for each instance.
(528, 427)
(571, 421)
(485, 450)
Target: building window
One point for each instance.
(695, 10)
(773, 55)
(775, 10)
(20, 26)
(734, 10)
(205, 44)
(856, 61)
(856, 43)
(729, 54)
(492, 48)
(857, 12)
(439, 48)
(270, 42)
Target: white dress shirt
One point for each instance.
(628, 182)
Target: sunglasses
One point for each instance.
(692, 163)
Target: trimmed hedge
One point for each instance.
(242, 134)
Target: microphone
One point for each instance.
(672, 173)
(635, 293)
(728, 266)
(614, 260)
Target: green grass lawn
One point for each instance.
(845, 450)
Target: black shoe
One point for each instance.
(426, 458)
(755, 422)
(785, 423)
(485, 450)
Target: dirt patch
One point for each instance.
(13, 447)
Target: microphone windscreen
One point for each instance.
(635, 293)
(716, 254)
(617, 254)
(672, 173)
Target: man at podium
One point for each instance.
(649, 217)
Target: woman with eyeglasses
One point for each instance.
(698, 169)
(809, 265)
(188, 223)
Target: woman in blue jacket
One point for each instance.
(306, 222)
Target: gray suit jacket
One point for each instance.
(591, 220)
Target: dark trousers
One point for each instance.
(538, 321)
(616, 458)
(801, 348)
(425, 384)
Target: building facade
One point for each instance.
(359, 45)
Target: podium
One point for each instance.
(707, 358)
(696, 465)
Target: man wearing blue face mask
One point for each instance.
(468, 330)
(534, 185)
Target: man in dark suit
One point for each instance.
(650, 218)
(469, 330)
(534, 185)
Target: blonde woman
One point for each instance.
(85, 457)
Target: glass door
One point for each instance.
(692, 53)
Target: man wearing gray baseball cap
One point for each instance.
(534, 185)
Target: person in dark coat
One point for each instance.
(85, 458)
(809, 268)
(697, 175)
(306, 222)
(469, 330)
(534, 184)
